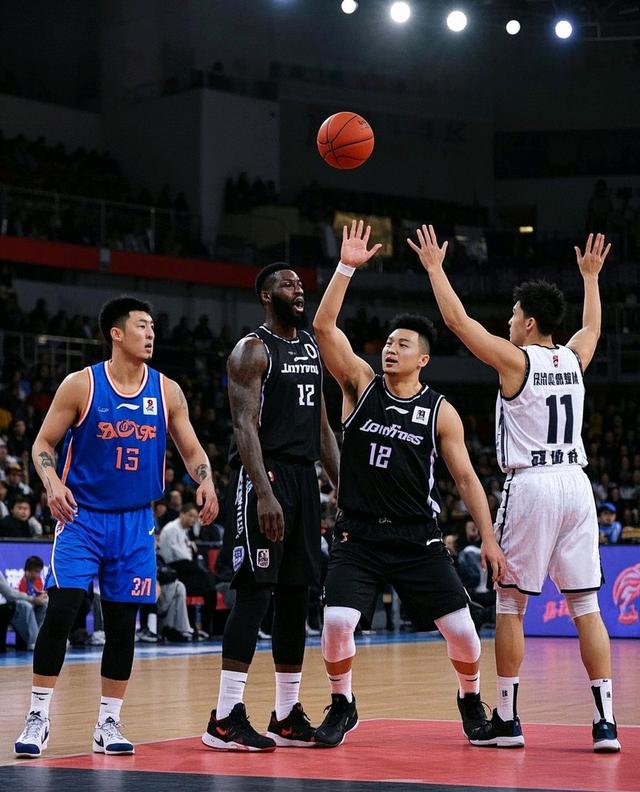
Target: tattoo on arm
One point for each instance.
(182, 402)
(46, 460)
(202, 472)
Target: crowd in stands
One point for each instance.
(60, 194)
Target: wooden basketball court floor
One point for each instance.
(409, 737)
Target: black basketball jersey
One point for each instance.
(291, 397)
(388, 455)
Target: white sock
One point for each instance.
(468, 683)
(287, 692)
(41, 700)
(109, 708)
(603, 698)
(341, 683)
(232, 685)
(507, 695)
(152, 623)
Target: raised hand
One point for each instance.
(354, 251)
(431, 256)
(595, 253)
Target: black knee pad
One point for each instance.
(51, 644)
(290, 610)
(120, 634)
(241, 631)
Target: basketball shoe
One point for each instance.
(294, 731)
(34, 738)
(108, 739)
(235, 733)
(605, 737)
(341, 717)
(502, 734)
(475, 723)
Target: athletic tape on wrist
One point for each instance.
(345, 269)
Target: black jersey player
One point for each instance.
(387, 530)
(280, 430)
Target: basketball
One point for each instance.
(345, 141)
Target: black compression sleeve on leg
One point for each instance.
(120, 634)
(51, 644)
(241, 631)
(290, 608)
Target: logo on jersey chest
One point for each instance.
(564, 378)
(395, 430)
(109, 431)
(421, 415)
(150, 406)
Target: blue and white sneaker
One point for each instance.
(108, 739)
(34, 738)
(605, 737)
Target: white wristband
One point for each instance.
(345, 269)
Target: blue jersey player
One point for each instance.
(112, 420)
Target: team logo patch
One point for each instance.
(262, 557)
(150, 406)
(238, 558)
(556, 360)
(421, 415)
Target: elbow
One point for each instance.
(321, 324)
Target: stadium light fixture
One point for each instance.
(400, 12)
(457, 21)
(349, 6)
(563, 29)
(513, 27)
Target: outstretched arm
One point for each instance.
(497, 352)
(584, 342)
(246, 366)
(350, 371)
(455, 454)
(192, 453)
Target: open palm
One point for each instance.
(354, 251)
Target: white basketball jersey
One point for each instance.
(542, 423)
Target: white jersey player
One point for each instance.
(547, 520)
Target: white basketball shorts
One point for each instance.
(547, 523)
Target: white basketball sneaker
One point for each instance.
(108, 739)
(34, 738)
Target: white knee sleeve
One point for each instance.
(511, 601)
(582, 603)
(337, 633)
(460, 634)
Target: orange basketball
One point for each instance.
(345, 141)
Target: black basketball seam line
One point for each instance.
(351, 143)
(348, 121)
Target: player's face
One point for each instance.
(138, 335)
(403, 353)
(287, 299)
(517, 326)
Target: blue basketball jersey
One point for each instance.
(113, 458)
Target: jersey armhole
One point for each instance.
(578, 359)
(163, 394)
(87, 406)
(527, 369)
(434, 425)
(359, 403)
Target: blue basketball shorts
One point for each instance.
(117, 547)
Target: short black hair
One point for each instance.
(420, 324)
(21, 499)
(266, 272)
(114, 313)
(186, 507)
(542, 301)
(33, 562)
